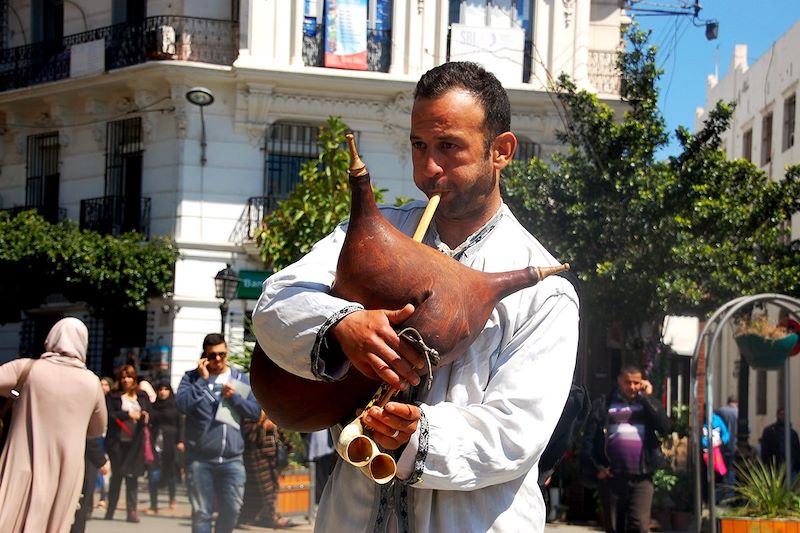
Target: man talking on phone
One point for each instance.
(622, 449)
(215, 397)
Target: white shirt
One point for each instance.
(471, 464)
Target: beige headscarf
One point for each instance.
(67, 338)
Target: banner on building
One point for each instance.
(499, 50)
(346, 34)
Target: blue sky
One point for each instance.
(687, 58)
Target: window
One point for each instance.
(124, 158)
(288, 146)
(47, 21)
(42, 177)
(526, 150)
(747, 145)
(761, 392)
(493, 32)
(789, 108)
(766, 139)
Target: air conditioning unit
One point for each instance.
(161, 43)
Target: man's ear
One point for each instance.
(503, 148)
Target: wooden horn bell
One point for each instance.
(382, 268)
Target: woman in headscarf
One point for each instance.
(129, 413)
(60, 404)
(167, 434)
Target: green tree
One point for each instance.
(651, 237)
(319, 203)
(107, 272)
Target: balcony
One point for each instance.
(53, 215)
(252, 218)
(115, 215)
(155, 38)
(603, 72)
(379, 48)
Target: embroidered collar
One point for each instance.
(462, 249)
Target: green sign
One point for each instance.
(250, 282)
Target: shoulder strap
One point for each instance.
(16, 390)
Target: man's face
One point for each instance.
(217, 356)
(449, 156)
(630, 383)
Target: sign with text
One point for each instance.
(498, 50)
(250, 282)
(346, 34)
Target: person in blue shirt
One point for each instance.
(210, 397)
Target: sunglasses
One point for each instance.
(213, 355)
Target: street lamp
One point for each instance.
(201, 97)
(226, 282)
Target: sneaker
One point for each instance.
(132, 517)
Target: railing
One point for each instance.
(252, 218)
(53, 215)
(603, 73)
(115, 215)
(379, 48)
(155, 38)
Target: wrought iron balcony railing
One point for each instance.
(52, 214)
(603, 72)
(155, 38)
(379, 48)
(252, 217)
(115, 215)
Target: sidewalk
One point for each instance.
(179, 519)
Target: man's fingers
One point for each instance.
(400, 315)
(403, 410)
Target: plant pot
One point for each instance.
(762, 353)
(681, 520)
(747, 524)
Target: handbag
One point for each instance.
(15, 393)
(281, 452)
(149, 456)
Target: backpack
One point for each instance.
(569, 426)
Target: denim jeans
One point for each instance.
(222, 483)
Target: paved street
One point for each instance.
(178, 520)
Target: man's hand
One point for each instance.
(393, 425)
(373, 347)
(202, 368)
(604, 473)
(228, 391)
(647, 387)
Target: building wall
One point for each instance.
(199, 205)
(757, 90)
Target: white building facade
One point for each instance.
(763, 131)
(95, 125)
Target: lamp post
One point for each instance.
(225, 282)
(201, 97)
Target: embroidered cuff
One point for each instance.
(328, 362)
(421, 436)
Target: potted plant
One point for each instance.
(663, 485)
(765, 346)
(682, 512)
(764, 501)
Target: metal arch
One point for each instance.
(713, 329)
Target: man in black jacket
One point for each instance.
(622, 449)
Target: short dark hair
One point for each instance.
(212, 339)
(479, 82)
(630, 368)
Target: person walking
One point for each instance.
(467, 447)
(261, 464)
(730, 416)
(129, 412)
(167, 438)
(622, 449)
(215, 397)
(95, 461)
(60, 405)
(773, 444)
(101, 484)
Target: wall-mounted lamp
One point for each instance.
(226, 283)
(201, 97)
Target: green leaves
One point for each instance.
(319, 203)
(652, 237)
(762, 489)
(38, 258)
